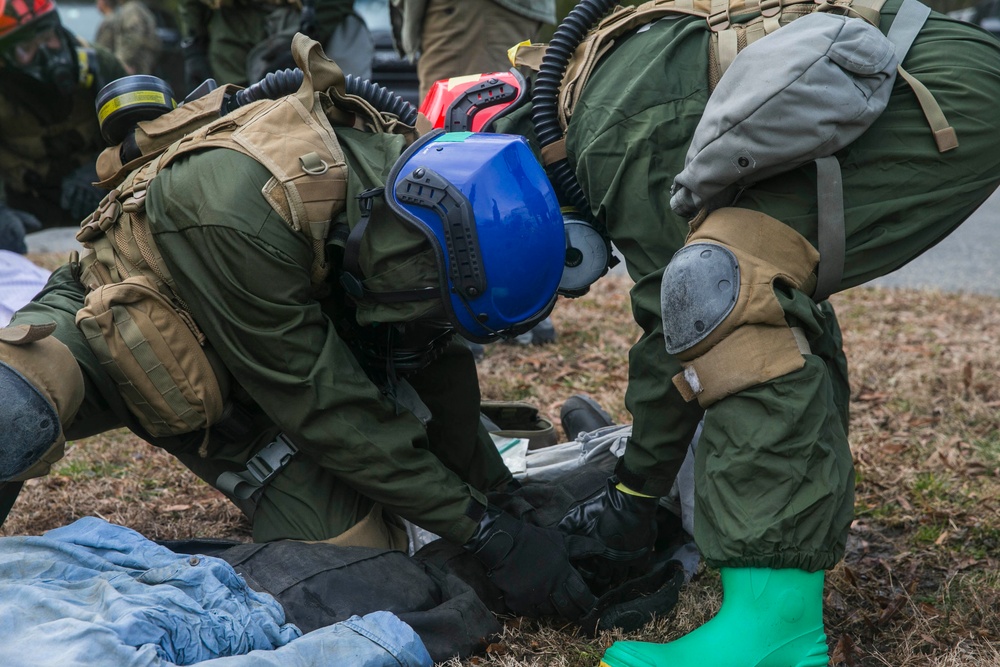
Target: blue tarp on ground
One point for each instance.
(96, 594)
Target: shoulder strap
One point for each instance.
(909, 20)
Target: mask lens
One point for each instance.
(25, 52)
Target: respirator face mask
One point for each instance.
(48, 58)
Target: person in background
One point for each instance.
(129, 31)
(49, 132)
(457, 37)
(240, 42)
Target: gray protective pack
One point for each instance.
(798, 94)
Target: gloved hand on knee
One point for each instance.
(531, 565)
(624, 524)
(14, 225)
(79, 197)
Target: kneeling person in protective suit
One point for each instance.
(49, 136)
(730, 288)
(274, 300)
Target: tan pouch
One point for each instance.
(154, 354)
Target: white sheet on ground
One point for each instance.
(20, 280)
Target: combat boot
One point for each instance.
(768, 618)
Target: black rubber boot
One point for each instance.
(582, 414)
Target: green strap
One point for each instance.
(832, 237)
(904, 29)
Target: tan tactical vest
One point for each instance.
(307, 165)
(137, 325)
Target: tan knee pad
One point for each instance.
(50, 367)
(749, 341)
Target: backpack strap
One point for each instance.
(909, 20)
(830, 218)
(830, 228)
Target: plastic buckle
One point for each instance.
(719, 22)
(769, 8)
(268, 462)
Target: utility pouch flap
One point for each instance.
(154, 355)
(801, 93)
(152, 137)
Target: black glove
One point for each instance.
(78, 196)
(14, 225)
(531, 566)
(624, 524)
(197, 67)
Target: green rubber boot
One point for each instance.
(769, 618)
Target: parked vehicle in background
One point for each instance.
(389, 69)
(986, 15)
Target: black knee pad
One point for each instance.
(29, 423)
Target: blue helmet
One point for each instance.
(491, 216)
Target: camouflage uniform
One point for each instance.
(457, 37)
(130, 33)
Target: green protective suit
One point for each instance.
(246, 276)
(46, 136)
(774, 475)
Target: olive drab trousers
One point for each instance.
(774, 476)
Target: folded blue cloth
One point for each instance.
(95, 594)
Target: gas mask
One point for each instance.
(47, 58)
(391, 351)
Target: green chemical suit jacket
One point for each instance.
(245, 275)
(774, 476)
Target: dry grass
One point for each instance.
(919, 585)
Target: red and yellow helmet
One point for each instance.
(471, 103)
(20, 19)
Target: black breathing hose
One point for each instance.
(382, 98)
(545, 93)
(287, 81)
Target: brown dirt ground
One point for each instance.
(919, 584)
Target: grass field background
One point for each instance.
(919, 584)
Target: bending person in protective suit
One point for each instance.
(49, 135)
(274, 300)
(731, 276)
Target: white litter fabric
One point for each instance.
(20, 280)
